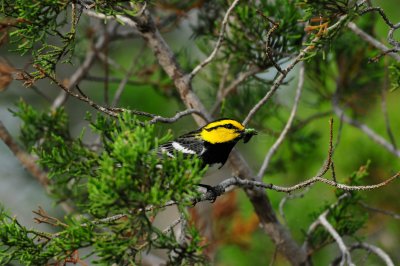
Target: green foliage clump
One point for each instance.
(125, 179)
(36, 27)
(34, 23)
(41, 126)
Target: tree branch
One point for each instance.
(346, 257)
(28, 162)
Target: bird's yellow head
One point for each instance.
(225, 130)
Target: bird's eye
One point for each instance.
(229, 126)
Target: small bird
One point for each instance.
(212, 143)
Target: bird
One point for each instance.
(212, 143)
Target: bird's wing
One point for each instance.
(187, 144)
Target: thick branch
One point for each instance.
(279, 234)
(28, 162)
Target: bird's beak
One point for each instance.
(248, 133)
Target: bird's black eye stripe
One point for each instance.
(228, 126)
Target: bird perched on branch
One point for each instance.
(212, 143)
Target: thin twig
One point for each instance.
(121, 18)
(83, 69)
(268, 50)
(111, 62)
(380, 11)
(364, 128)
(302, 123)
(118, 80)
(243, 76)
(287, 127)
(370, 249)
(114, 111)
(327, 164)
(385, 212)
(252, 184)
(288, 197)
(218, 44)
(372, 41)
(176, 117)
(83, 98)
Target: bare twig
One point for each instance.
(364, 128)
(385, 212)
(118, 80)
(287, 127)
(253, 184)
(391, 40)
(328, 163)
(111, 62)
(108, 111)
(380, 11)
(291, 196)
(114, 111)
(268, 50)
(243, 76)
(218, 44)
(176, 117)
(376, 250)
(392, 26)
(44, 217)
(370, 249)
(83, 69)
(121, 18)
(311, 118)
(372, 41)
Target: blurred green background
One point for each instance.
(21, 194)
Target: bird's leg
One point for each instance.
(212, 190)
